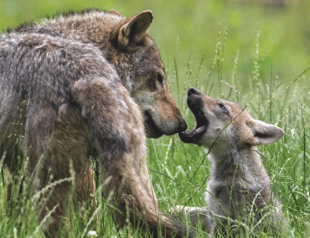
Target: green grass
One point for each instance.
(252, 54)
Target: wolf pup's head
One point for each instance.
(226, 124)
(142, 72)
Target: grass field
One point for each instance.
(255, 54)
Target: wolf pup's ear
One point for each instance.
(263, 133)
(132, 30)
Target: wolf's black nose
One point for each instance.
(182, 126)
(192, 91)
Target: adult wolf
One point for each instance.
(84, 84)
(239, 187)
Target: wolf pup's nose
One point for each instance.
(192, 91)
(182, 126)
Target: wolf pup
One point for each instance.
(239, 184)
(84, 84)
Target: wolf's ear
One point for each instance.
(263, 133)
(132, 30)
(114, 12)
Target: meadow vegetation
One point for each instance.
(254, 54)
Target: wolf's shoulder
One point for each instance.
(65, 17)
(62, 54)
(36, 41)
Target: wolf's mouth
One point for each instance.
(152, 131)
(195, 103)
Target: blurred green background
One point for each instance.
(189, 29)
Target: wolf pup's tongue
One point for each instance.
(192, 136)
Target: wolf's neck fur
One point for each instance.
(235, 165)
(92, 27)
(95, 28)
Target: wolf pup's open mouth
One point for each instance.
(195, 104)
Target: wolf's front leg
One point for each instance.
(117, 129)
(85, 192)
(58, 145)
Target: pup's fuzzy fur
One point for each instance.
(239, 184)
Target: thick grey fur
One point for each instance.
(74, 87)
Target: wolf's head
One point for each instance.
(140, 67)
(226, 123)
(126, 44)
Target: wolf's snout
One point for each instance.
(192, 91)
(182, 126)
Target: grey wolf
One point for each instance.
(84, 84)
(239, 183)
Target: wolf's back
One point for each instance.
(37, 71)
(40, 68)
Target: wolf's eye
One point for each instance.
(160, 78)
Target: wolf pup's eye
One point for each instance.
(221, 105)
(224, 108)
(160, 78)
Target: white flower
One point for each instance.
(92, 234)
